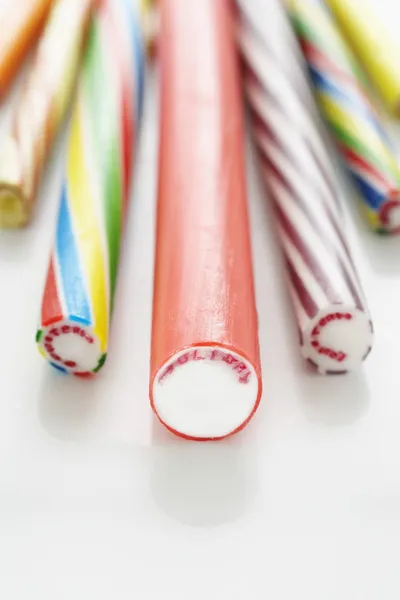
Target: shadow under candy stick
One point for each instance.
(381, 251)
(334, 401)
(67, 405)
(202, 484)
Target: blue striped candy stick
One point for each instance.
(349, 113)
(80, 287)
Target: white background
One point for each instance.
(97, 501)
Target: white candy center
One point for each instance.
(205, 392)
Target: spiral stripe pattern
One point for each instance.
(327, 296)
(79, 291)
(352, 118)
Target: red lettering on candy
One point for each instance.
(338, 356)
(245, 378)
(70, 363)
(64, 330)
(166, 372)
(229, 359)
(242, 370)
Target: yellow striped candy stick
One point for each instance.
(350, 115)
(41, 109)
(79, 291)
(374, 46)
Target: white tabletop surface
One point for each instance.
(98, 502)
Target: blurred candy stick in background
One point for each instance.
(205, 368)
(334, 324)
(374, 45)
(353, 120)
(41, 109)
(21, 22)
(151, 25)
(79, 291)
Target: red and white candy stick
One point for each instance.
(335, 327)
(205, 367)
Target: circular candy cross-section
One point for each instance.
(205, 392)
(71, 347)
(338, 339)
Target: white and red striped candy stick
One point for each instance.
(334, 323)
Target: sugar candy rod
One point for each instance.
(79, 292)
(205, 369)
(21, 24)
(352, 119)
(40, 110)
(333, 321)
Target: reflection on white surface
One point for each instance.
(208, 486)
(97, 501)
(340, 401)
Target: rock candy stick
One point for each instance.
(377, 49)
(41, 109)
(21, 23)
(205, 369)
(334, 324)
(352, 119)
(79, 291)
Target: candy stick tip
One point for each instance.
(205, 392)
(338, 339)
(13, 213)
(72, 346)
(390, 213)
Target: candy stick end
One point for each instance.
(338, 339)
(72, 346)
(390, 213)
(205, 393)
(13, 213)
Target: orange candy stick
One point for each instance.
(21, 22)
(205, 367)
(41, 109)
